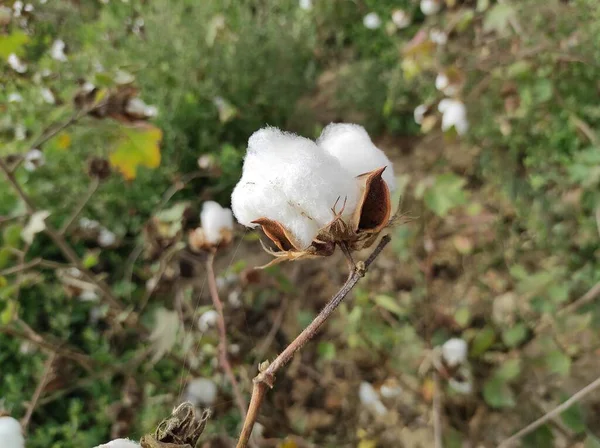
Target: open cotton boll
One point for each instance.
(372, 21)
(215, 220)
(11, 433)
(120, 443)
(454, 351)
(351, 145)
(370, 398)
(454, 114)
(430, 7)
(208, 320)
(201, 392)
(289, 179)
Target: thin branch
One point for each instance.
(550, 415)
(31, 264)
(60, 241)
(91, 190)
(38, 391)
(437, 412)
(223, 345)
(266, 377)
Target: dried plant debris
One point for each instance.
(183, 429)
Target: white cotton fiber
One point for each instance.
(454, 114)
(370, 398)
(289, 179)
(214, 219)
(11, 434)
(454, 351)
(120, 443)
(201, 392)
(352, 146)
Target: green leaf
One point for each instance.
(543, 90)
(559, 363)
(8, 313)
(12, 235)
(13, 43)
(483, 340)
(90, 259)
(138, 145)
(462, 316)
(5, 256)
(509, 370)
(446, 193)
(326, 350)
(574, 419)
(498, 394)
(390, 304)
(591, 441)
(498, 18)
(541, 437)
(512, 337)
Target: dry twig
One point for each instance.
(266, 378)
(38, 391)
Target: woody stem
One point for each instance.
(266, 377)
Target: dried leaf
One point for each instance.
(375, 206)
(165, 331)
(139, 145)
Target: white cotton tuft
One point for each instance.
(352, 146)
(289, 179)
(442, 81)
(201, 392)
(305, 4)
(106, 238)
(33, 160)
(401, 18)
(438, 37)
(214, 220)
(454, 114)
(419, 113)
(372, 21)
(11, 433)
(16, 64)
(47, 95)
(207, 320)
(370, 398)
(461, 387)
(120, 443)
(137, 107)
(15, 97)
(430, 7)
(454, 351)
(57, 51)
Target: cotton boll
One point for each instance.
(372, 21)
(15, 63)
(454, 114)
(120, 443)
(33, 160)
(430, 7)
(305, 4)
(201, 392)
(215, 220)
(47, 95)
(15, 97)
(352, 146)
(208, 320)
(461, 387)
(419, 113)
(438, 37)
(57, 51)
(289, 179)
(401, 18)
(370, 398)
(454, 351)
(138, 108)
(441, 81)
(11, 433)
(106, 238)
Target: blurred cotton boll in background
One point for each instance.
(201, 392)
(430, 7)
(438, 37)
(16, 64)
(351, 145)
(207, 320)
(120, 443)
(57, 51)
(454, 351)
(289, 179)
(372, 21)
(454, 115)
(305, 4)
(11, 434)
(216, 221)
(401, 18)
(370, 398)
(33, 160)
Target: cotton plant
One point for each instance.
(309, 197)
(454, 115)
(216, 228)
(11, 433)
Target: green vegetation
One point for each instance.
(501, 246)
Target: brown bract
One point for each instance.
(198, 243)
(371, 216)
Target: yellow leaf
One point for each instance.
(138, 145)
(63, 141)
(367, 443)
(288, 443)
(13, 43)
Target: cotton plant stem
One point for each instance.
(38, 391)
(223, 358)
(266, 377)
(550, 415)
(91, 190)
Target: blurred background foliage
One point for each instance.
(502, 247)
